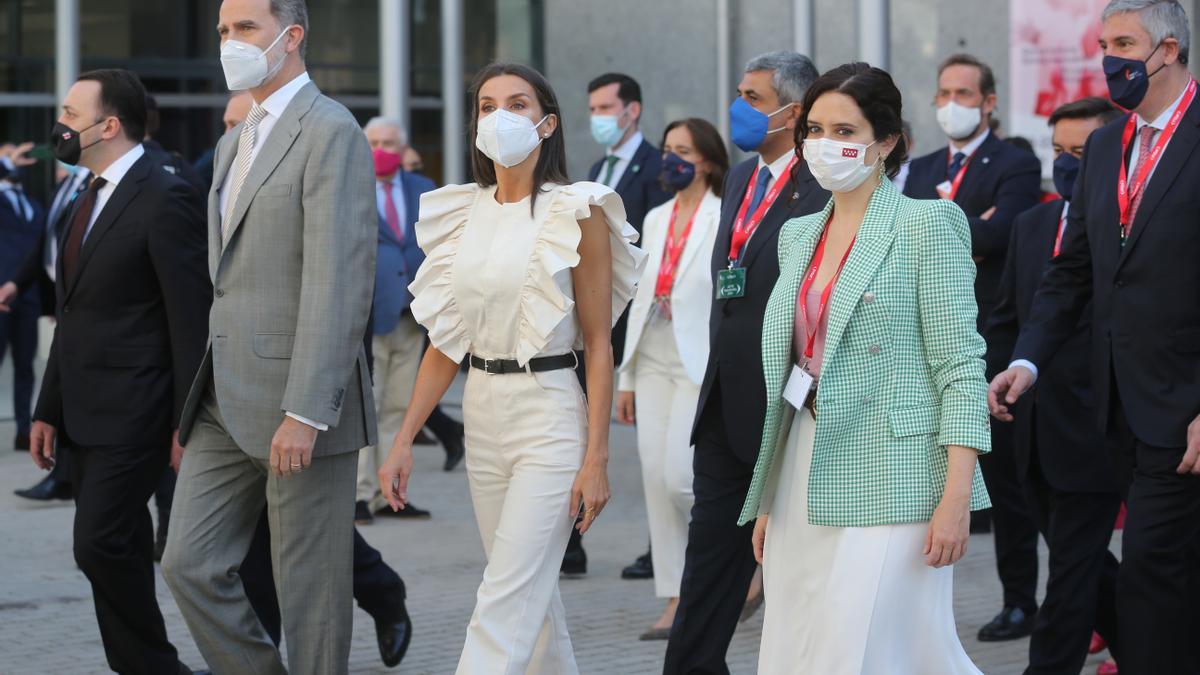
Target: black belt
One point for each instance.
(536, 365)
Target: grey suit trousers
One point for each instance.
(218, 500)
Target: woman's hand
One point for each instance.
(949, 530)
(591, 487)
(759, 539)
(625, 413)
(393, 475)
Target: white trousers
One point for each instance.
(666, 402)
(526, 435)
(397, 358)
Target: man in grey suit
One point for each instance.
(282, 402)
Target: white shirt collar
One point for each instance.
(1160, 122)
(117, 170)
(629, 147)
(278, 102)
(970, 148)
(778, 166)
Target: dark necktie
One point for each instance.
(955, 165)
(760, 189)
(79, 225)
(610, 167)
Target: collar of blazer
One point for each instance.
(709, 210)
(640, 157)
(797, 242)
(1169, 167)
(283, 134)
(785, 206)
(980, 162)
(122, 195)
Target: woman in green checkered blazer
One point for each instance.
(868, 479)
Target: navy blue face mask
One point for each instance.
(1128, 80)
(1066, 167)
(677, 172)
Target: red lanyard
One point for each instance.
(1127, 194)
(742, 228)
(671, 254)
(813, 268)
(958, 178)
(1062, 229)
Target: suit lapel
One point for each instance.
(634, 168)
(1180, 148)
(792, 194)
(978, 168)
(283, 134)
(870, 248)
(129, 188)
(708, 209)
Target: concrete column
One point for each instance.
(873, 25)
(724, 80)
(453, 121)
(66, 47)
(802, 28)
(394, 46)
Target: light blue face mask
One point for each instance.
(606, 129)
(71, 169)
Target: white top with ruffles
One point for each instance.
(496, 281)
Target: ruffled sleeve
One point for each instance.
(443, 217)
(547, 298)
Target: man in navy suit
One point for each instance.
(397, 343)
(992, 181)
(1131, 254)
(1068, 478)
(21, 223)
(719, 563)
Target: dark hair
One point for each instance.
(153, 119)
(121, 96)
(1086, 108)
(552, 162)
(987, 80)
(709, 144)
(628, 91)
(877, 97)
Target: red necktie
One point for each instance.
(390, 213)
(1145, 138)
(79, 226)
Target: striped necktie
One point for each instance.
(243, 161)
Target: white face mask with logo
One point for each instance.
(246, 66)
(837, 166)
(958, 121)
(506, 137)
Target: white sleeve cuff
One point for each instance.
(8, 163)
(316, 425)
(1027, 365)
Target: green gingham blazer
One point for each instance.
(903, 371)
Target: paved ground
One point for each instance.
(47, 624)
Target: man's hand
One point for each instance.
(41, 445)
(987, 215)
(292, 446)
(8, 295)
(1006, 388)
(176, 452)
(1191, 457)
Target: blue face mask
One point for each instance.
(606, 129)
(1128, 80)
(748, 127)
(677, 172)
(1066, 167)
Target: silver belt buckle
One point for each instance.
(489, 368)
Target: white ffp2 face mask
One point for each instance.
(246, 66)
(506, 137)
(958, 121)
(837, 166)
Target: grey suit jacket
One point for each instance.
(293, 283)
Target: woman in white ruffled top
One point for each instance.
(521, 270)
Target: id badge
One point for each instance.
(943, 189)
(731, 283)
(798, 385)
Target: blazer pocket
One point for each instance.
(273, 345)
(129, 356)
(913, 421)
(278, 190)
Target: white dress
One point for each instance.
(497, 283)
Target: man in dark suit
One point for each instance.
(761, 193)
(992, 181)
(21, 222)
(1069, 481)
(132, 294)
(1131, 250)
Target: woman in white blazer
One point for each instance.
(666, 346)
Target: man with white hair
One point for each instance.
(1130, 254)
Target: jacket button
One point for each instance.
(874, 349)
(867, 400)
(220, 293)
(66, 309)
(1119, 284)
(868, 297)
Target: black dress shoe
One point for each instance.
(21, 442)
(574, 562)
(410, 511)
(455, 450)
(642, 568)
(1012, 623)
(49, 488)
(393, 636)
(362, 513)
(423, 438)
